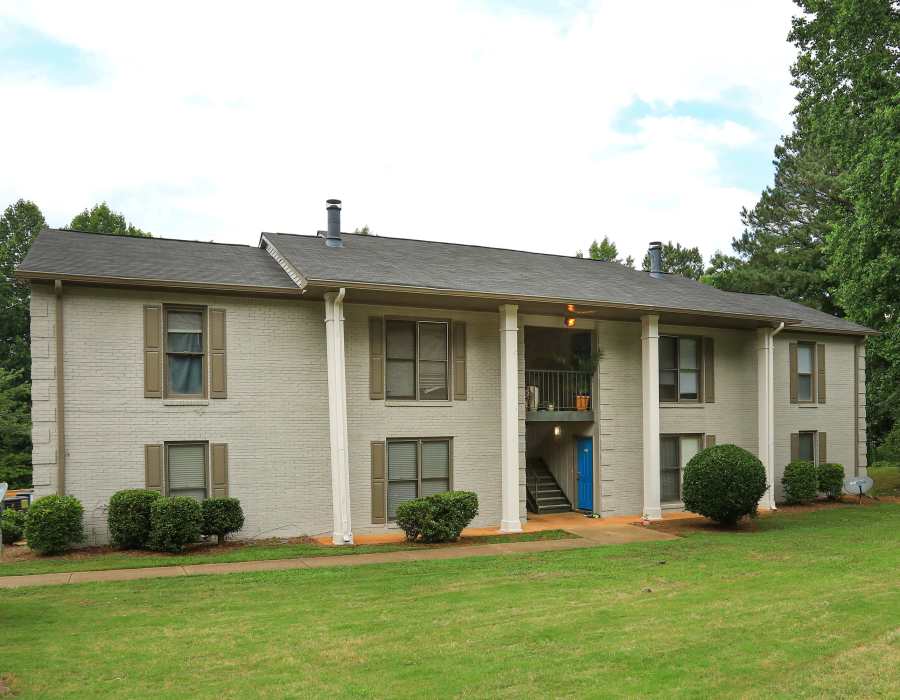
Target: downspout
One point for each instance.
(770, 375)
(60, 394)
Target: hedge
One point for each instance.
(129, 517)
(174, 523)
(800, 481)
(221, 517)
(438, 518)
(54, 524)
(724, 483)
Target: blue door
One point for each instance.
(585, 449)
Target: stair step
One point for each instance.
(563, 508)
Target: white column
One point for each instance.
(337, 417)
(765, 380)
(509, 417)
(650, 413)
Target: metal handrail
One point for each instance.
(557, 389)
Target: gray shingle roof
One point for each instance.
(76, 254)
(380, 260)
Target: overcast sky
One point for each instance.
(523, 124)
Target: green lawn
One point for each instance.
(887, 480)
(81, 561)
(807, 606)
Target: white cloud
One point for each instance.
(449, 121)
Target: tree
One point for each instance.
(364, 231)
(781, 250)
(687, 262)
(15, 429)
(19, 225)
(606, 251)
(847, 77)
(102, 219)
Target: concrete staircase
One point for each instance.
(543, 493)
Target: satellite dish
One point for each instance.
(857, 485)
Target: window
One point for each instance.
(807, 447)
(675, 451)
(186, 469)
(679, 369)
(417, 360)
(416, 468)
(806, 355)
(185, 353)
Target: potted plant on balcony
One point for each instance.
(586, 364)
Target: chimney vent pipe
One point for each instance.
(655, 254)
(333, 234)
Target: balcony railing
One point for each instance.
(557, 390)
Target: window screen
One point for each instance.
(186, 470)
(400, 358)
(184, 352)
(675, 451)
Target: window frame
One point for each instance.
(677, 370)
(207, 467)
(701, 440)
(204, 353)
(814, 436)
(417, 322)
(419, 442)
(813, 372)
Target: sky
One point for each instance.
(519, 124)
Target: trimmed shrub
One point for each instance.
(221, 517)
(830, 478)
(54, 524)
(12, 525)
(129, 517)
(724, 483)
(800, 482)
(174, 523)
(438, 518)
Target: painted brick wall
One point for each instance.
(275, 419)
(473, 424)
(835, 416)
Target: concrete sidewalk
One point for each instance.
(588, 536)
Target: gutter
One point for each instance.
(60, 393)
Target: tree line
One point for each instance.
(20, 223)
(826, 232)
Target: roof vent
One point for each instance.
(655, 254)
(333, 235)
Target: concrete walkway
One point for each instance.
(590, 534)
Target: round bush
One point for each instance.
(800, 482)
(54, 524)
(724, 483)
(174, 523)
(221, 517)
(830, 478)
(438, 518)
(129, 517)
(12, 525)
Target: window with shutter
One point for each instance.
(186, 470)
(806, 450)
(417, 360)
(416, 468)
(679, 369)
(805, 381)
(185, 341)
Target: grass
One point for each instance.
(85, 560)
(806, 606)
(887, 480)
